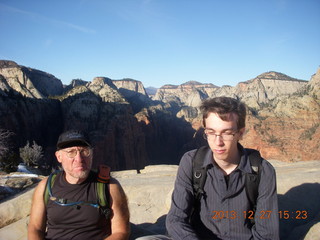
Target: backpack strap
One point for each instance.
(199, 176)
(252, 180)
(103, 194)
(199, 172)
(104, 174)
(102, 186)
(47, 192)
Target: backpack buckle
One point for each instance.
(106, 211)
(197, 174)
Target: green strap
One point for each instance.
(102, 194)
(50, 181)
(101, 191)
(103, 198)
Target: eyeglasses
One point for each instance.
(225, 136)
(84, 152)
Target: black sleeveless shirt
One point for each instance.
(76, 222)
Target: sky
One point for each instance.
(162, 42)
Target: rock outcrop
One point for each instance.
(30, 82)
(31, 119)
(314, 85)
(189, 94)
(266, 87)
(130, 87)
(284, 112)
(127, 129)
(287, 122)
(151, 91)
(131, 130)
(134, 92)
(149, 197)
(254, 92)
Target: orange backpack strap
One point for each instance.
(104, 174)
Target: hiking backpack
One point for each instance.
(252, 180)
(103, 178)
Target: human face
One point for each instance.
(223, 150)
(76, 167)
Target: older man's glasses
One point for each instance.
(210, 134)
(84, 152)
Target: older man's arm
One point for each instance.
(37, 221)
(120, 227)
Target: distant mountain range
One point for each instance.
(151, 91)
(132, 127)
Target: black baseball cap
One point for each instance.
(73, 138)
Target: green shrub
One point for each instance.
(31, 155)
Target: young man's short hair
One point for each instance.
(223, 106)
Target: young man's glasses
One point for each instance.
(225, 136)
(84, 152)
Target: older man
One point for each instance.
(73, 210)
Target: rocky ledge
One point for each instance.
(149, 196)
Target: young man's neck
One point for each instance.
(228, 165)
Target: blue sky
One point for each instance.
(162, 42)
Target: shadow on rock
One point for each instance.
(144, 229)
(298, 210)
(14, 186)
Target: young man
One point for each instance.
(77, 216)
(223, 211)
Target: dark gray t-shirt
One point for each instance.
(72, 222)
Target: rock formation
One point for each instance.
(283, 114)
(151, 91)
(130, 130)
(287, 122)
(126, 128)
(189, 94)
(314, 85)
(29, 82)
(149, 198)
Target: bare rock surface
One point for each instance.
(148, 192)
(149, 196)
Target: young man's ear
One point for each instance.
(241, 133)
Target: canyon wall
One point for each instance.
(131, 130)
